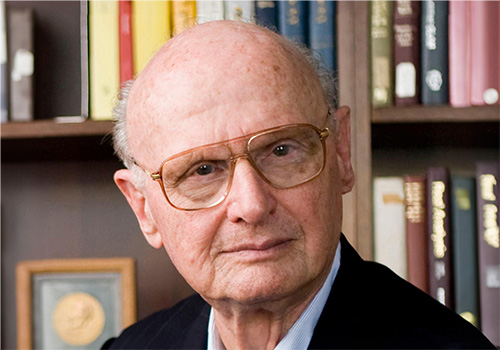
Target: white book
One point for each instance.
(209, 10)
(389, 233)
(240, 10)
(3, 65)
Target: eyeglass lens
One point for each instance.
(285, 158)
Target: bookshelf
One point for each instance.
(39, 129)
(59, 199)
(396, 140)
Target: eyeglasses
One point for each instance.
(284, 156)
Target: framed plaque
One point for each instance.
(73, 303)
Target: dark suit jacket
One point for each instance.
(369, 307)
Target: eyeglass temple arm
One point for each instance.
(324, 133)
(154, 176)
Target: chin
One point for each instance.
(256, 288)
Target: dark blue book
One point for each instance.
(434, 52)
(266, 14)
(464, 243)
(322, 32)
(292, 20)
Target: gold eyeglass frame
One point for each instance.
(157, 176)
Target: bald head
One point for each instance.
(187, 78)
(233, 85)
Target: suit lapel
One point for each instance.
(334, 323)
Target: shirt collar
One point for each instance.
(300, 335)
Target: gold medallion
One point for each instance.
(78, 318)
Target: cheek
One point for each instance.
(187, 238)
(320, 210)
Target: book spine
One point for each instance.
(488, 194)
(239, 10)
(389, 223)
(103, 57)
(183, 15)
(434, 52)
(150, 30)
(292, 20)
(4, 104)
(84, 57)
(209, 10)
(266, 14)
(21, 59)
(126, 53)
(459, 36)
(485, 52)
(322, 32)
(464, 242)
(406, 51)
(381, 33)
(416, 231)
(439, 242)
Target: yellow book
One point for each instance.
(183, 15)
(150, 30)
(104, 60)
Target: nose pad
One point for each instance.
(250, 198)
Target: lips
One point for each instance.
(259, 246)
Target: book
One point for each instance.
(322, 37)
(434, 52)
(103, 58)
(381, 35)
(416, 231)
(239, 10)
(439, 236)
(125, 37)
(488, 194)
(464, 242)
(485, 52)
(389, 233)
(266, 14)
(459, 42)
(150, 30)
(4, 104)
(20, 46)
(406, 51)
(292, 20)
(209, 10)
(84, 58)
(183, 15)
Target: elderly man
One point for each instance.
(237, 162)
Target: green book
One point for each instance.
(464, 242)
(381, 53)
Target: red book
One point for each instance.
(485, 48)
(416, 232)
(407, 51)
(459, 37)
(126, 56)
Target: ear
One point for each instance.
(343, 147)
(139, 204)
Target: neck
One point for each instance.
(260, 326)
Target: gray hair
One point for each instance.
(120, 139)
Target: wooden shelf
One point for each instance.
(50, 128)
(435, 114)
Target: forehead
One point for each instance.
(218, 83)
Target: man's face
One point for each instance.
(261, 243)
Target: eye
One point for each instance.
(281, 150)
(205, 169)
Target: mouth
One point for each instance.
(259, 250)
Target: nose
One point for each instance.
(250, 199)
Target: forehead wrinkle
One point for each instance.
(196, 68)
